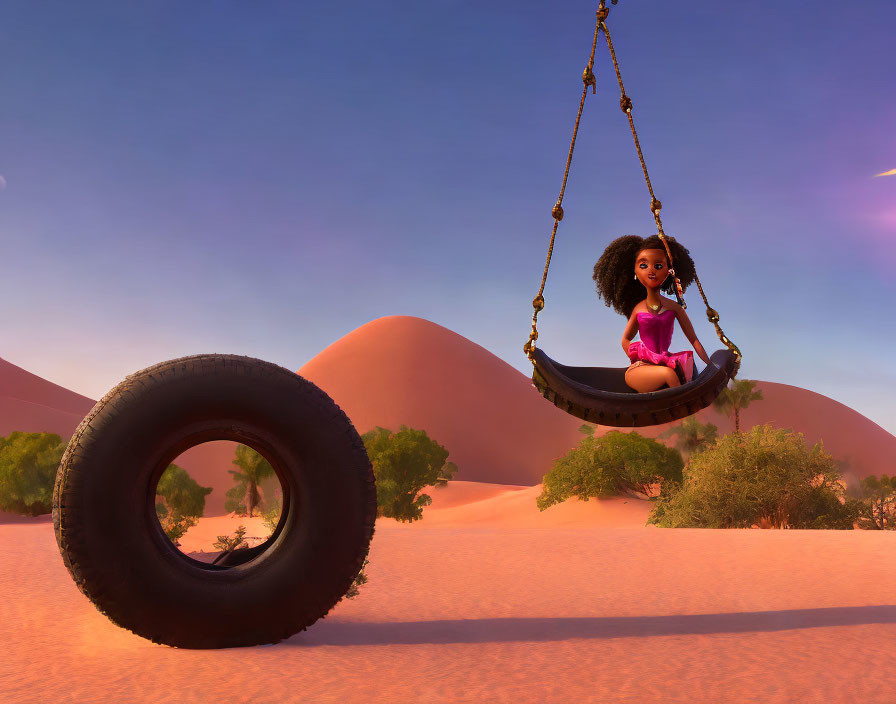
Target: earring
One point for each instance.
(636, 277)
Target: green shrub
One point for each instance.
(616, 463)
(359, 580)
(767, 476)
(180, 502)
(878, 503)
(28, 464)
(174, 525)
(271, 515)
(404, 463)
(234, 542)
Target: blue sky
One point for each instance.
(263, 178)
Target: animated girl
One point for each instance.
(628, 266)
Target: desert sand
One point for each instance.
(486, 599)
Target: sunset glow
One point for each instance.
(891, 172)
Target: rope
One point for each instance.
(589, 79)
(625, 103)
(713, 317)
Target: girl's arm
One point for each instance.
(688, 330)
(631, 329)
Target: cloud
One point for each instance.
(891, 172)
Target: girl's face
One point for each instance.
(651, 267)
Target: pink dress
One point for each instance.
(653, 347)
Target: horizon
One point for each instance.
(182, 179)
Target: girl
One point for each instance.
(630, 267)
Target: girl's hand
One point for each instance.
(700, 351)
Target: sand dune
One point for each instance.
(465, 503)
(498, 428)
(514, 507)
(28, 417)
(862, 445)
(17, 383)
(405, 370)
(459, 493)
(31, 404)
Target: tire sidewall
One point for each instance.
(132, 571)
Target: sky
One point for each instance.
(263, 178)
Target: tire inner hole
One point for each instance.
(218, 502)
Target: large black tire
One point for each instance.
(111, 540)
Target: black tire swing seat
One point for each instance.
(600, 394)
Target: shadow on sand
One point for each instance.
(505, 630)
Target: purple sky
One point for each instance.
(263, 178)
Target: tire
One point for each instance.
(112, 543)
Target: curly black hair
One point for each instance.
(614, 271)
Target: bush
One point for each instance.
(404, 463)
(877, 510)
(28, 464)
(180, 502)
(235, 542)
(271, 515)
(767, 476)
(174, 525)
(614, 464)
(359, 580)
(180, 493)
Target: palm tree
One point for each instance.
(736, 397)
(255, 468)
(693, 435)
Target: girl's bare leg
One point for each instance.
(650, 377)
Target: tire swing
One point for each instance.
(114, 547)
(600, 394)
